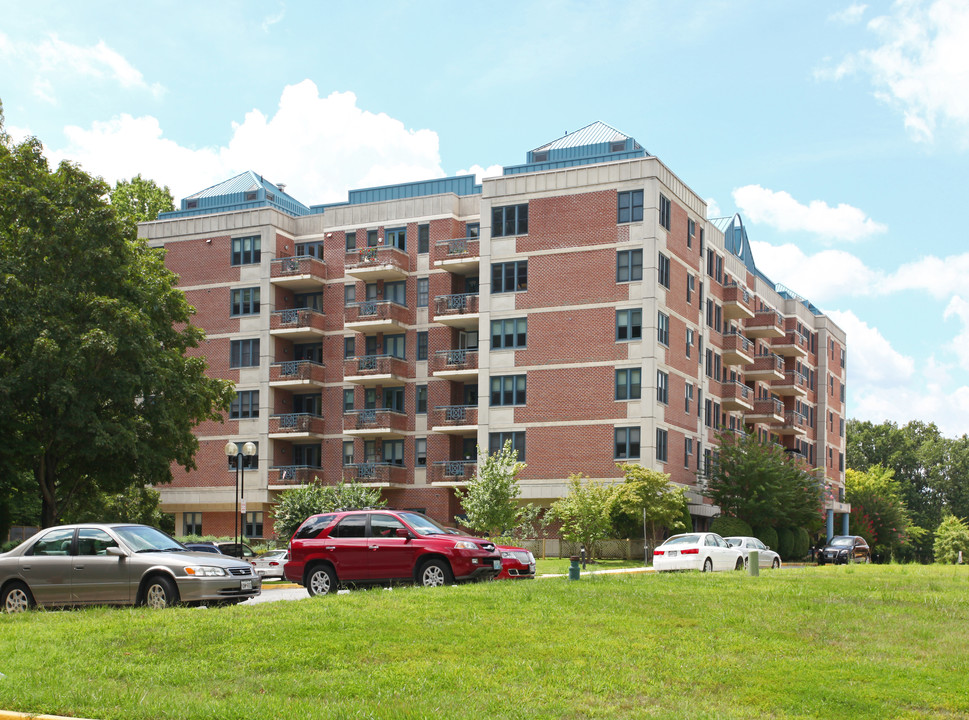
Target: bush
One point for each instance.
(725, 526)
(802, 544)
(785, 543)
(9, 545)
(687, 520)
(951, 536)
(768, 536)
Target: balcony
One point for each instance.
(459, 365)
(794, 424)
(458, 255)
(376, 263)
(765, 324)
(375, 422)
(454, 419)
(373, 370)
(300, 324)
(376, 316)
(794, 383)
(376, 474)
(289, 476)
(296, 426)
(451, 473)
(737, 350)
(299, 274)
(460, 311)
(736, 303)
(766, 368)
(793, 344)
(736, 396)
(296, 374)
(766, 410)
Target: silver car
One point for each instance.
(270, 564)
(767, 557)
(118, 564)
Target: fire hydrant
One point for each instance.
(574, 568)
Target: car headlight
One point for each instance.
(465, 545)
(204, 571)
(507, 554)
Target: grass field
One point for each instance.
(832, 642)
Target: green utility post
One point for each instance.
(753, 563)
(574, 568)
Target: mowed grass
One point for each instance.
(832, 642)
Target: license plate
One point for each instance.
(673, 553)
(246, 585)
(497, 564)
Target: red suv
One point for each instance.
(384, 546)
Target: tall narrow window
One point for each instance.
(423, 291)
(664, 271)
(422, 345)
(351, 238)
(663, 328)
(665, 211)
(662, 449)
(662, 387)
(423, 239)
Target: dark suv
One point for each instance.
(843, 549)
(382, 547)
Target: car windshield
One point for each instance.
(734, 542)
(842, 541)
(142, 538)
(421, 524)
(683, 540)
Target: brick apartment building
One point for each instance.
(581, 305)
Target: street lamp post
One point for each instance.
(247, 450)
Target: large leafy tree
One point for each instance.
(294, 506)
(646, 503)
(584, 512)
(140, 200)
(759, 483)
(951, 539)
(878, 511)
(490, 498)
(97, 384)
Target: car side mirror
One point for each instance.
(115, 551)
(404, 533)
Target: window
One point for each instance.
(627, 443)
(245, 250)
(630, 206)
(663, 328)
(665, 211)
(661, 445)
(708, 414)
(349, 294)
(629, 265)
(423, 292)
(628, 383)
(690, 287)
(307, 455)
(244, 353)
(395, 345)
(509, 220)
(689, 341)
(245, 301)
(842, 391)
(473, 231)
(420, 452)
(509, 276)
(348, 452)
(310, 249)
(351, 241)
(662, 387)
(421, 400)
(687, 451)
(191, 204)
(422, 345)
(629, 325)
(664, 271)
(244, 405)
(394, 399)
(717, 318)
(540, 156)
(690, 232)
(312, 301)
(254, 524)
(396, 292)
(250, 462)
(841, 427)
(349, 346)
(347, 399)
(308, 403)
(497, 440)
(393, 452)
(509, 333)
(423, 239)
(192, 523)
(396, 237)
(373, 239)
(507, 390)
(688, 394)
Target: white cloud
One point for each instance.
(940, 277)
(921, 65)
(480, 173)
(319, 147)
(871, 358)
(270, 20)
(821, 277)
(713, 208)
(99, 61)
(850, 15)
(781, 211)
(958, 308)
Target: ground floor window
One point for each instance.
(192, 523)
(254, 524)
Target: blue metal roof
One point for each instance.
(459, 185)
(594, 134)
(235, 194)
(595, 143)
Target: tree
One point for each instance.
(646, 496)
(584, 512)
(951, 538)
(295, 505)
(136, 504)
(878, 512)
(140, 200)
(97, 384)
(489, 500)
(759, 483)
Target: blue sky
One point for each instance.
(839, 130)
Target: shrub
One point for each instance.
(951, 536)
(767, 535)
(802, 544)
(785, 542)
(687, 520)
(727, 526)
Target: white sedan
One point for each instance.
(270, 564)
(697, 551)
(768, 558)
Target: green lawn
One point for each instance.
(832, 642)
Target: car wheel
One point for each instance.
(708, 565)
(160, 593)
(321, 580)
(17, 598)
(740, 564)
(434, 574)
(776, 564)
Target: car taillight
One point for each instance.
(690, 551)
(273, 564)
(659, 552)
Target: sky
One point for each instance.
(838, 130)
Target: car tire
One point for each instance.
(16, 598)
(741, 564)
(776, 564)
(320, 580)
(707, 565)
(434, 573)
(159, 593)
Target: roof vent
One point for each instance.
(281, 186)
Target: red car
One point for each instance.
(381, 547)
(516, 563)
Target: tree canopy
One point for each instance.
(584, 512)
(98, 386)
(489, 500)
(294, 506)
(878, 511)
(140, 200)
(645, 496)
